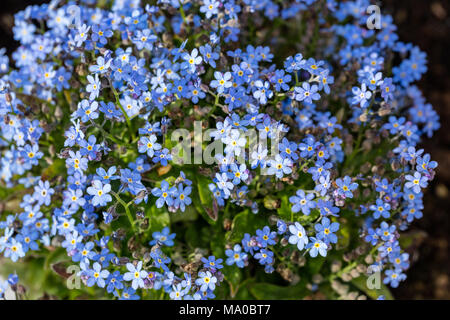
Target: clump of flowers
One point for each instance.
(314, 174)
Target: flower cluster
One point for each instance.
(87, 164)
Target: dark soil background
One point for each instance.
(425, 23)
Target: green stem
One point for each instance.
(110, 136)
(127, 118)
(183, 16)
(127, 209)
(216, 104)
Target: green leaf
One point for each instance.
(158, 218)
(245, 222)
(361, 284)
(412, 238)
(39, 277)
(203, 190)
(344, 235)
(304, 219)
(189, 214)
(233, 275)
(217, 242)
(54, 170)
(193, 236)
(268, 291)
(5, 191)
(202, 198)
(271, 202)
(284, 211)
(314, 265)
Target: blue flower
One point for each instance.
(235, 256)
(159, 261)
(114, 282)
(192, 60)
(81, 35)
(43, 192)
(89, 148)
(105, 176)
(222, 81)
(87, 110)
(234, 143)
(288, 149)
(206, 281)
(93, 87)
(97, 276)
(73, 198)
(128, 294)
(262, 91)
(361, 96)
(100, 33)
(32, 154)
(400, 260)
(346, 186)
(381, 209)
(165, 194)
(394, 277)
(144, 39)
(223, 183)
(307, 93)
(162, 157)
(148, 145)
(280, 166)
(424, 164)
(182, 199)
(387, 89)
(208, 55)
(265, 237)
(372, 237)
(395, 125)
(131, 106)
(386, 232)
(389, 249)
(136, 275)
(100, 193)
(325, 230)
(249, 244)
(212, 263)
(308, 147)
(264, 256)
(416, 182)
(302, 202)
(323, 185)
(14, 250)
(325, 80)
(210, 8)
(102, 65)
(327, 208)
(195, 93)
(281, 80)
(104, 257)
(165, 237)
(317, 246)
(238, 173)
(84, 252)
(177, 292)
(298, 235)
(259, 157)
(281, 227)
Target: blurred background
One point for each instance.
(425, 23)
